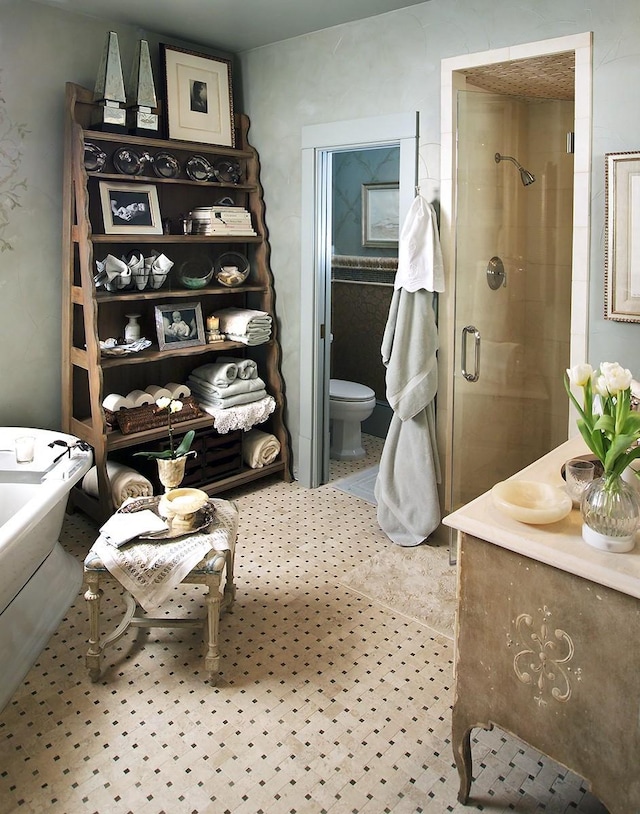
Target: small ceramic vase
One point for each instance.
(171, 471)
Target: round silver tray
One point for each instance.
(204, 517)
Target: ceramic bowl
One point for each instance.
(179, 506)
(531, 501)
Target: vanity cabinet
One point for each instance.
(548, 642)
(92, 314)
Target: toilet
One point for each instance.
(349, 405)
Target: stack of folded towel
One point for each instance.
(219, 385)
(245, 325)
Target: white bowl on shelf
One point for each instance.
(532, 501)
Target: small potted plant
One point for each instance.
(171, 461)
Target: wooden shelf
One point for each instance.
(87, 312)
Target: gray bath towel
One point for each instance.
(406, 488)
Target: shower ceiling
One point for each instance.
(545, 77)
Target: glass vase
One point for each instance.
(610, 510)
(171, 471)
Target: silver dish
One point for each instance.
(199, 169)
(130, 162)
(94, 157)
(166, 165)
(227, 170)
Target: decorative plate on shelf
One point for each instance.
(204, 517)
(129, 162)
(199, 169)
(94, 157)
(227, 170)
(166, 165)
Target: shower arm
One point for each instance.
(525, 176)
(500, 158)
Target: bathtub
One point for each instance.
(39, 580)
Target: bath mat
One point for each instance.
(417, 582)
(361, 484)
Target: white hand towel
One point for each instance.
(419, 254)
(247, 368)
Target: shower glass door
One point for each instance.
(512, 288)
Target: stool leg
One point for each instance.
(229, 586)
(93, 594)
(212, 655)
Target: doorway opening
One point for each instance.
(322, 144)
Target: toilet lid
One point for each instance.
(341, 390)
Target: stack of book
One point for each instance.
(221, 220)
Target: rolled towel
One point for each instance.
(218, 373)
(139, 397)
(259, 448)
(115, 402)
(156, 392)
(125, 482)
(178, 391)
(247, 368)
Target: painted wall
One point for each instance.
(388, 64)
(391, 64)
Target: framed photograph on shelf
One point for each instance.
(622, 236)
(179, 325)
(198, 97)
(380, 215)
(130, 208)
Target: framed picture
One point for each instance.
(622, 236)
(179, 325)
(380, 215)
(198, 97)
(130, 208)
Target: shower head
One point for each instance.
(525, 176)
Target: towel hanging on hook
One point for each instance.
(419, 254)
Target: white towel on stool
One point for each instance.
(125, 482)
(259, 448)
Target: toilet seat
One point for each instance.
(341, 390)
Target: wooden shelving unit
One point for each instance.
(90, 315)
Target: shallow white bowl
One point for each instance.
(531, 502)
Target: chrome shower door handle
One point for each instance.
(470, 329)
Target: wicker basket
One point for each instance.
(150, 416)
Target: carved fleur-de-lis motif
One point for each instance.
(543, 662)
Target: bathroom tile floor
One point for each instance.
(327, 702)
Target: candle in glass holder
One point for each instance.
(213, 323)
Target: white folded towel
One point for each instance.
(218, 373)
(232, 401)
(247, 368)
(259, 448)
(125, 482)
(202, 387)
(258, 339)
(239, 320)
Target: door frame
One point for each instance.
(319, 142)
(453, 79)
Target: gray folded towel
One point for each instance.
(218, 373)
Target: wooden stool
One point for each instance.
(208, 571)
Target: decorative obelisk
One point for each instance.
(143, 121)
(109, 90)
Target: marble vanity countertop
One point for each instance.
(557, 544)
